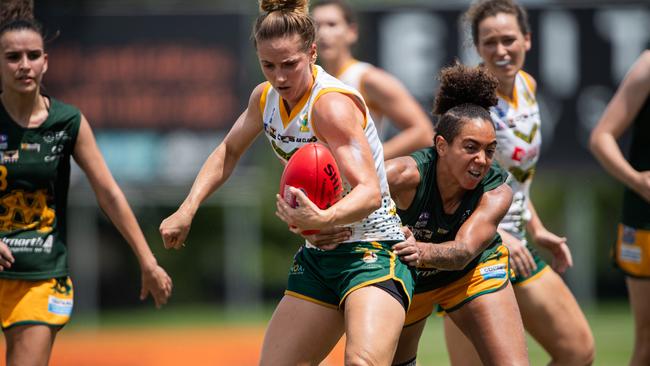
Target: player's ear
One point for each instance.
(441, 145)
(313, 54)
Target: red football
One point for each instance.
(313, 170)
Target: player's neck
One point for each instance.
(24, 107)
(506, 88)
(450, 191)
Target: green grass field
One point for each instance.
(611, 324)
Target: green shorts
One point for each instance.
(519, 280)
(327, 277)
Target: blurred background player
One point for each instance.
(630, 107)
(452, 198)
(360, 287)
(39, 135)
(501, 35)
(387, 98)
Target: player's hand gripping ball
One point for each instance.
(313, 170)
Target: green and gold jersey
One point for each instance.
(34, 180)
(429, 223)
(636, 210)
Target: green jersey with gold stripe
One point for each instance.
(34, 180)
(636, 210)
(429, 223)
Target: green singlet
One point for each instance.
(636, 210)
(429, 223)
(34, 180)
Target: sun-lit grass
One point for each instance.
(611, 324)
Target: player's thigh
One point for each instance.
(553, 317)
(461, 351)
(493, 324)
(29, 345)
(300, 332)
(373, 323)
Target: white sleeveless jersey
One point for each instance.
(517, 123)
(351, 74)
(288, 132)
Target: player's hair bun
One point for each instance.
(11, 10)
(300, 6)
(460, 84)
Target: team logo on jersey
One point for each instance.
(423, 219)
(442, 231)
(9, 156)
(50, 137)
(369, 256)
(296, 269)
(26, 211)
(304, 126)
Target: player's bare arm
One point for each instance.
(338, 122)
(389, 95)
(618, 116)
(474, 235)
(215, 171)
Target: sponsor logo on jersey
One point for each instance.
(59, 306)
(630, 253)
(58, 136)
(30, 245)
(9, 156)
(518, 154)
(30, 147)
(427, 272)
(494, 271)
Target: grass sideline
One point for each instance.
(611, 323)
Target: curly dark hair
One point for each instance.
(465, 93)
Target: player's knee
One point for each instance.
(581, 351)
(360, 358)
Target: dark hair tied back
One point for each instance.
(465, 93)
(17, 15)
